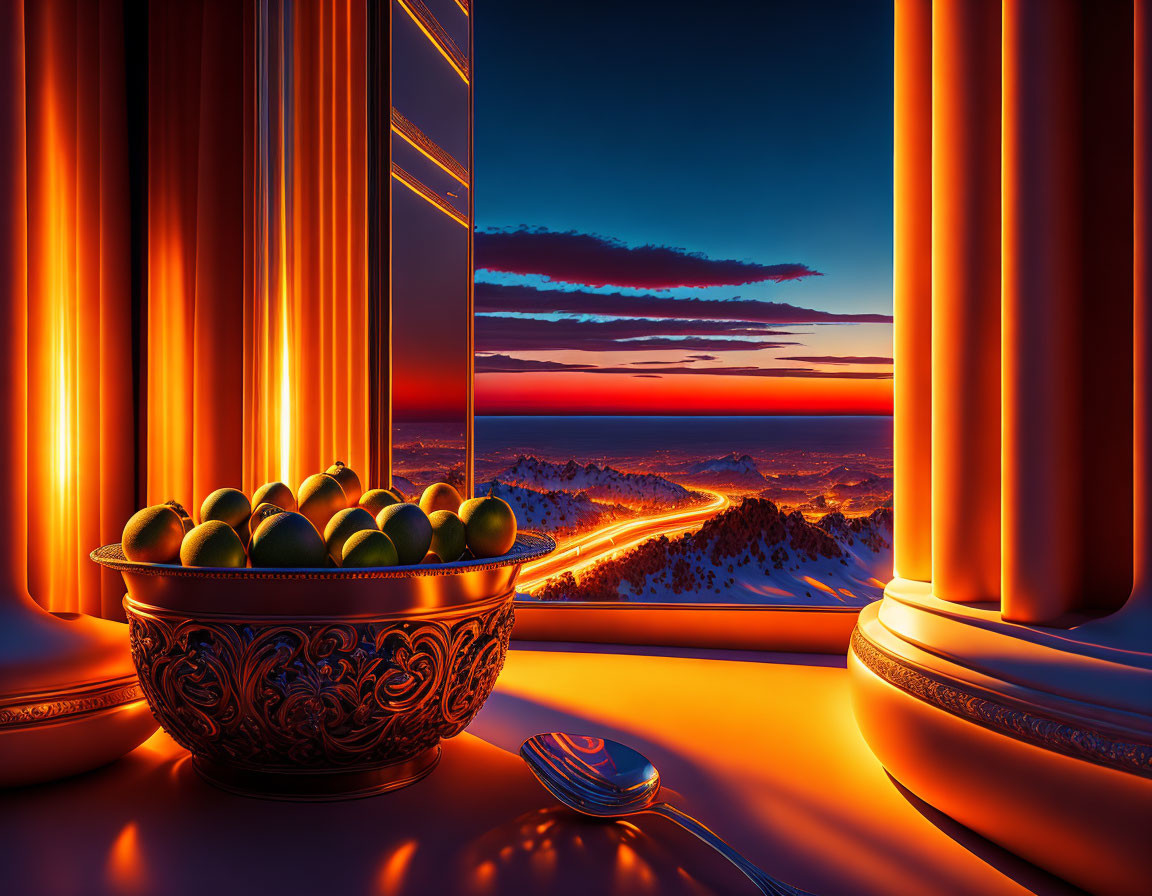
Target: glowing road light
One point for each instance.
(601, 544)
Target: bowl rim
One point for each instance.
(529, 546)
(389, 615)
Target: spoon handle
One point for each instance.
(766, 884)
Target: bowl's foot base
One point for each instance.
(318, 786)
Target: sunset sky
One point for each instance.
(683, 208)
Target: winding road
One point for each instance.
(599, 544)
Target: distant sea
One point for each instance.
(652, 441)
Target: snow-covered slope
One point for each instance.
(829, 476)
(406, 487)
(731, 471)
(640, 491)
(851, 489)
(556, 512)
(753, 553)
(856, 496)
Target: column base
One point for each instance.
(1031, 737)
(70, 700)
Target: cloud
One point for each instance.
(663, 343)
(515, 298)
(506, 364)
(839, 359)
(685, 361)
(503, 334)
(703, 358)
(801, 372)
(648, 376)
(593, 260)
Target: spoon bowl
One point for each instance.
(593, 775)
(605, 779)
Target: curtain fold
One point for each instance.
(257, 227)
(13, 311)
(253, 319)
(307, 378)
(80, 394)
(197, 77)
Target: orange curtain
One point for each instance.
(80, 418)
(258, 360)
(308, 370)
(13, 313)
(255, 323)
(198, 79)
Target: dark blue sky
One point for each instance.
(757, 130)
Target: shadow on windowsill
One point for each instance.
(829, 660)
(1029, 876)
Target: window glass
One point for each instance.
(430, 375)
(683, 295)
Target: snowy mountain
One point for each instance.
(731, 471)
(855, 496)
(845, 488)
(838, 473)
(639, 491)
(753, 553)
(406, 486)
(412, 481)
(556, 512)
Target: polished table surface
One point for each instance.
(761, 747)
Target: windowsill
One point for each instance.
(779, 627)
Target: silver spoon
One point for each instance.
(609, 780)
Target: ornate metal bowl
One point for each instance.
(319, 683)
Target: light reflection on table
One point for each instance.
(479, 825)
(760, 746)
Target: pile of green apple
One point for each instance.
(330, 520)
